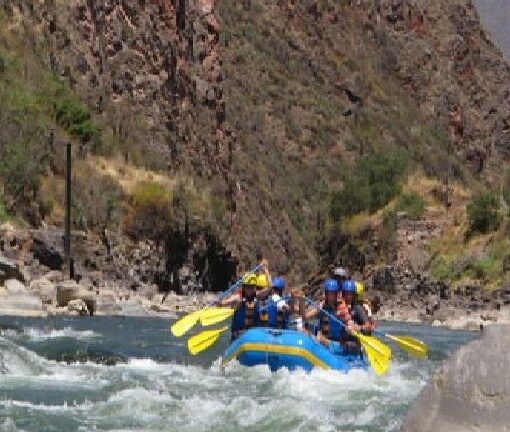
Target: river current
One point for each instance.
(130, 374)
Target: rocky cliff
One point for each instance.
(273, 102)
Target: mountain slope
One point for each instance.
(272, 103)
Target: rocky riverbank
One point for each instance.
(413, 297)
(112, 277)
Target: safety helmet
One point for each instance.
(250, 279)
(330, 285)
(339, 272)
(360, 289)
(261, 282)
(279, 284)
(349, 286)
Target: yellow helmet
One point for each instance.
(360, 290)
(261, 281)
(250, 279)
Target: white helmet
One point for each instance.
(339, 272)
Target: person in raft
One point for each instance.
(246, 306)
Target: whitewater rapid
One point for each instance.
(166, 391)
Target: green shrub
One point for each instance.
(506, 188)
(3, 212)
(377, 180)
(353, 198)
(487, 268)
(383, 172)
(482, 212)
(388, 233)
(76, 118)
(412, 204)
(150, 213)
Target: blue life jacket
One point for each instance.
(330, 328)
(277, 319)
(246, 316)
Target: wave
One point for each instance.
(38, 334)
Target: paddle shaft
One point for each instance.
(328, 314)
(233, 287)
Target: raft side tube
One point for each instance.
(287, 349)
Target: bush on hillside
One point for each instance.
(412, 204)
(23, 144)
(482, 212)
(76, 118)
(377, 180)
(150, 214)
(506, 188)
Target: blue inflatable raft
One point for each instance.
(289, 349)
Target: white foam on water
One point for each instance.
(39, 335)
(146, 395)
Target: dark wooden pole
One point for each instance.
(67, 238)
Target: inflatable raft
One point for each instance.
(289, 349)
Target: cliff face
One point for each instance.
(154, 61)
(274, 101)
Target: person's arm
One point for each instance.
(322, 339)
(265, 268)
(361, 321)
(231, 301)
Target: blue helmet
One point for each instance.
(349, 286)
(330, 285)
(279, 284)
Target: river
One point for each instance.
(130, 374)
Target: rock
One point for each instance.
(14, 286)
(9, 270)
(47, 248)
(44, 289)
(470, 391)
(70, 290)
(67, 291)
(79, 306)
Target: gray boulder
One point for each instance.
(9, 270)
(470, 391)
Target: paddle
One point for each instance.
(215, 315)
(412, 346)
(201, 341)
(378, 354)
(184, 324)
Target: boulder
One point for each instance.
(470, 391)
(69, 290)
(9, 270)
(47, 247)
(44, 289)
(14, 286)
(79, 306)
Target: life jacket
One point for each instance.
(264, 315)
(277, 318)
(246, 316)
(330, 328)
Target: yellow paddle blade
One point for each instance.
(203, 340)
(414, 347)
(379, 364)
(375, 344)
(184, 324)
(378, 354)
(213, 316)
